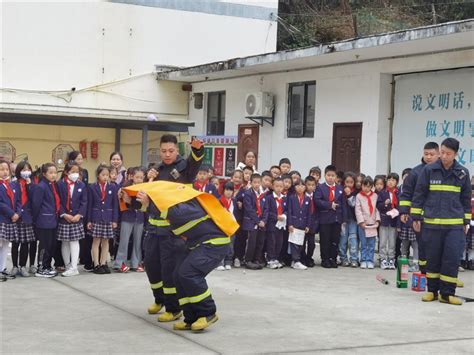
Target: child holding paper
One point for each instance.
(299, 210)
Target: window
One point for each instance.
(301, 103)
(216, 113)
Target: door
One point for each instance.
(248, 140)
(346, 141)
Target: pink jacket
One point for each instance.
(362, 210)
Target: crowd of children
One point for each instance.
(280, 213)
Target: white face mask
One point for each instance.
(25, 174)
(73, 177)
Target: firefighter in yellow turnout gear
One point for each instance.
(442, 200)
(205, 226)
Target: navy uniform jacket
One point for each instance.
(314, 218)
(183, 213)
(299, 217)
(78, 204)
(273, 211)
(239, 197)
(26, 215)
(106, 211)
(386, 221)
(44, 206)
(442, 197)
(210, 189)
(409, 185)
(325, 212)
(7, 209)
(251, 220)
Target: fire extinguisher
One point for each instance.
(94, 149)
(83, 148)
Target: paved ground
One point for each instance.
(268, 311)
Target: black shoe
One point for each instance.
(7, 275)
(470, 265)
(310, 263)
(99, 270)
(333, 264)
(3, 278)
(106, 269)
(252, 266)
(325, 264)
(88, 268)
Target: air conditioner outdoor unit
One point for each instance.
(259, 104)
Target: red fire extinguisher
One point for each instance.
(94, 149)
(83, 148)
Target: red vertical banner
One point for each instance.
(219, 161)
(83, 148)
(94, 149)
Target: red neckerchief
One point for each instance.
(24, 192)
(226, 202)
(279, 202)
(237, 187)
(10, 194)
(332, 189)
(200, 187)
(301, 200)
(56, 196)
(69, 196)
(259, 198)
(369, 200)
(393, 196)
(103, 192)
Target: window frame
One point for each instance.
(306, 84)
(220, 120)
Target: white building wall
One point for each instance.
(50, 46)
(347, 93)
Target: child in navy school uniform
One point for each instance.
(254, 222)
(299, 218)
(387, 204)
(240, 186)
(202, 183)
(228, 202)
(45, 207)
(102, 217)
(26, 241)
(10, 210)
(276, 224)
(328, 198)
(73, 210)
(313, 225)
(131, 223)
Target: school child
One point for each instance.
(379, 183)
(407, 236)
(267, 182)
(240, 187)
(387, 205)
(215, 181)
(113, 176)
(358, 182)
(288, 189)
(313, 224)
(315, 172)
(339, 177)
(102, 217)
(295, 176)
(131, 224)
(253, 224)
(276, 224)
(287, 185)
(328, 198)
(368, 219)
(26, 241)
(45, 207)
(299, 219)
(237, 178)
(247, 173)
(275, 171)
(202, 182)
(73, 196)
(285, 166)
(349, 225)
(228, 202)
(10, 211)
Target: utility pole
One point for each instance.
(433, 13)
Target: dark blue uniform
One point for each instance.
(299, 217)
(251, 219)
(274, 235)
(405, 203)
(162, 248)
(442, 199)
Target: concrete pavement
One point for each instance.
(270, 311)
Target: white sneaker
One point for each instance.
(24, 272)
(14, 271)
(299, 266)
(220, 268)
(363, 265)
(70, 272)
(273, 264)
(370, 265)
(384, 265)
(460, 269)
(391, 264)
(270, 264)
(279, 265)
(237, 263)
